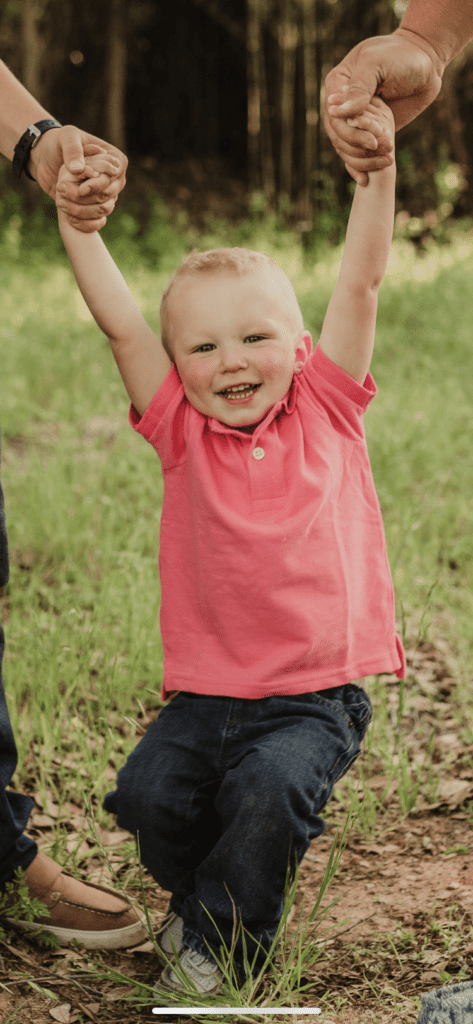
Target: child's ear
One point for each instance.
(303, 351)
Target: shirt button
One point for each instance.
(258, 453)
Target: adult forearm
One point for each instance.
(445, 25)
(18, 109)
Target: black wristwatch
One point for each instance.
(27, 142)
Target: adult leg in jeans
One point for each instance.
(76, 910)
(16, 849)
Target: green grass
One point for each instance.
(83, 492)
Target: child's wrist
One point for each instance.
(389, 169)
(64, 221)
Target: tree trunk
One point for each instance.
(115, 76)
(254, 93)
(312, 105)
(267, 157)
(288, 37)
(211, 89)
(32, 47)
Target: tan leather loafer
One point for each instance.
(90, 914)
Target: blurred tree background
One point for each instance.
(216, 101)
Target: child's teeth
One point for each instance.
(241, 390)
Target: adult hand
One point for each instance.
(402, 68)
(98, 163)
(91, 201)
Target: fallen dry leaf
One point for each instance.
(39, 820)
(75, 844)
(67, 954)
(61, 1013)
(102, 876)
(453, 788)
(47, 804)
(90, 1009)
(112, 838)
(452, 792)
(118, 993)
(146, 947)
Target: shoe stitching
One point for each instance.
(92, 910)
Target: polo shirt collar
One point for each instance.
(287, 404)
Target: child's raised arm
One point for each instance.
(348, 330)
(140, 357)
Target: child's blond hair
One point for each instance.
(234, 260)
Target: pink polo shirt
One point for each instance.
(273, 563)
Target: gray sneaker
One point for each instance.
(204, 973)
(171, 926)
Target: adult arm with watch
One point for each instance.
(89, 202)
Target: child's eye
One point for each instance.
(254, 337)
(205, 348)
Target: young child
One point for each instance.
(276, 591)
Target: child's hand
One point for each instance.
(99, 165)
(379, 121)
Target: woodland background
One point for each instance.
(233, 90)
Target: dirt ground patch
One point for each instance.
(403, 920)
(402, 923)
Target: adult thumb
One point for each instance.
(350, 85)
(72, 150)
(352, 99)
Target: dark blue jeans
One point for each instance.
(226, 793)
(16, 849)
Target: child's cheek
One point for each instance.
(273, 365)
(196, 377)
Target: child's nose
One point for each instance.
(233, 358)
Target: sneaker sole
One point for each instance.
(117, 938)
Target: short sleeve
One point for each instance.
(336, 394)
(162, 423)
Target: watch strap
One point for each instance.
(28, 139)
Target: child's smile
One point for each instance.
(240, 392)
(234, 341)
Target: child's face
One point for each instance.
(234, 343)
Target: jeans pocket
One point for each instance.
(351, 702)
(357, 706)
(352, 707)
